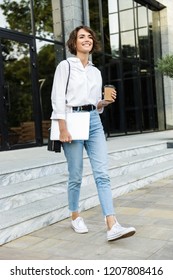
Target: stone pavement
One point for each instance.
(149, 209)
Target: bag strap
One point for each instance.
(67, 78)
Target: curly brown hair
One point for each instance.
(71, 43)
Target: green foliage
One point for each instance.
(165, 65)
(18, 16)
(17, 75)
(46, 62)
(16, 58)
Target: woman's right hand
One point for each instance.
(65, 136)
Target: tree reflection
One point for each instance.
(19, 16)
(16, 58)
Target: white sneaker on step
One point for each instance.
(117, 232)
(79, 226)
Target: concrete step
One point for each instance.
(33, 193)
(52, 163)
(38, 214)
(18, 194)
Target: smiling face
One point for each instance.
(84, 42)
(83, 39)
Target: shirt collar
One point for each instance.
(77, 60)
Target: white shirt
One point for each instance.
(85, 87)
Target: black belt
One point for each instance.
(84, 108)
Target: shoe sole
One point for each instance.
(125, 235)
(78, 231)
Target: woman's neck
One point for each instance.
(83, 58)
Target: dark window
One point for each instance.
(130, 37)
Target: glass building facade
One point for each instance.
(31, 46)
(130, 37)
(32, 43)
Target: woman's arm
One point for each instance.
(103, 103)
(64, 134)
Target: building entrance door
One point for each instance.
(20, 113)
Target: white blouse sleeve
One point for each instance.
(100, 111)
(58, 97)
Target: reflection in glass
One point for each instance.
(130, 68)
(132, 120)
(148, 111)
(3, 22)
(112, 4)
(18, 92)
(43, 19)
(48, 56)
(114, 42)
(142, 16)
(143, 43)
(150, 18)
(128, 44)
(113, 23)
(46, 66)
(16, 15)
(128, 55)
(114, 71)
(126, 20)
(132, 104)
(145, 69)
(95, 17)
(125, 4)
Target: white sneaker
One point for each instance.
(79, 226)
(117, 232)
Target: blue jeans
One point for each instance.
(96, 148)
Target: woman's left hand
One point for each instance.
(113, 95)
(104, 103)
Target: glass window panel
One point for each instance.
(145, 69)
(142, 17)
(43, 19)
(150, 17)
(16, 15)
(143, 42)
(95, 17)
(126, 20)
(115, 71)
(128, 44)
(143, 32)
(113, 23)
(18, 92)
(131, 98)
(130, 68)
(112, 4)
(125, 4)
(46, 67)
(147, 99)
(46, 70)
(132, 120)
(112, 71)
(114, 43)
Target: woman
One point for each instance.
(85, 93)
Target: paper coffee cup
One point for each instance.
(108, 92)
